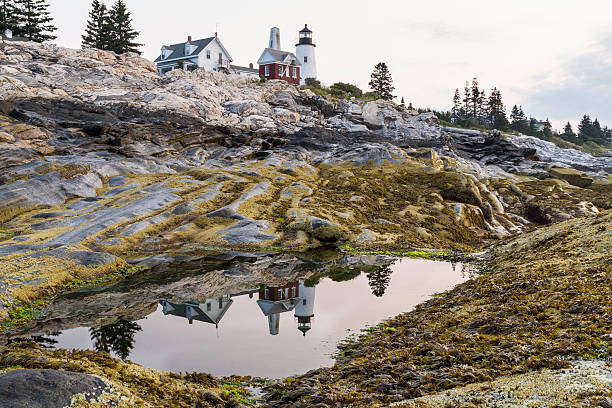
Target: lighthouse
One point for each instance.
(304, 311)
(305, 52)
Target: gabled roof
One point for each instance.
(180, 309)
(177, 51)
(270, 56)
(244, 69)
(269, 307)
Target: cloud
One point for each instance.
(583, 85)
(439, 30)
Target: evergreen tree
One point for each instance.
(568, 133)
(33, 20)
(496, 115)
(466, 98)
(381, 81)
(547, 130)
(122, 35)
(7, 12)
(456, 112)
(403, 102)
(483, 106)
(475, 101)
(97, 33)
(519, 120)
(586, 130)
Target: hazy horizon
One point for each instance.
(552, 57)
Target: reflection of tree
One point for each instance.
(47, 342)
(117, 337)
(379, 280)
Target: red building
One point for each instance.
(277, 64)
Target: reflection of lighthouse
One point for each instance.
(304, 310)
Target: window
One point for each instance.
(295, 72)
(280, 70)
(305, 60)
(220, 303)
(220, 57)
(293, 292)
(207, 54)
(208, 307)
(266, 290)
(267, 70)
(280, 293)
(304, 302)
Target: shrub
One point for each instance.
(349, 89)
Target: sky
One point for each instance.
(554, 57)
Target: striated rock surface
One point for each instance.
(100, 155)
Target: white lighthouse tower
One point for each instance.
(304, 310)
(305, 52)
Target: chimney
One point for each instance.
(251, 65)
(163, 54)
(8, 33)
(189, 39)
(275, 38)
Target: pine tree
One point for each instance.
(381, 81)
(456, 115)
(466, 98)
(585, 129)
(475, 101)
(122, 35)
(97, 33)
(33, 20)
(547, 130)
(519, 120)
(403, 102)
(7, 12)
(568, 133)
(483, 108)
(496, 112)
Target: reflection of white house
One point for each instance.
(304, 311)
(207, 53)
(209, 311)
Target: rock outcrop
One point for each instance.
(100, 155)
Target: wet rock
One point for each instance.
(46, 388)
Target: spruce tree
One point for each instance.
(97, 33)
(33, 20)
(475, 101)
(568, 133)
(381, 81)
(496, 111)
(457, 109)
(547, 130)
(122, 35)
(585, 129)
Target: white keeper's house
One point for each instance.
(208, 53)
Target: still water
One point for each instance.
(268, 330)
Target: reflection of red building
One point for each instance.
(275, 293)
